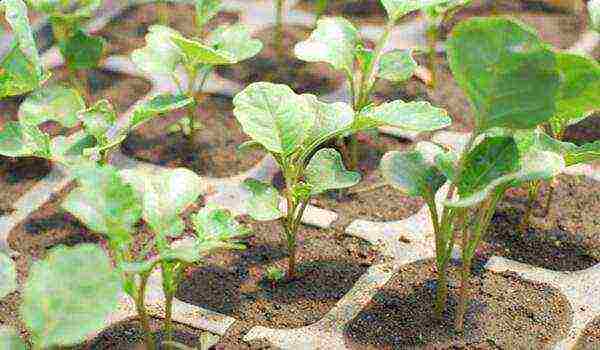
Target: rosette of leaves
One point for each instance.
(293, 129)
(167, 49)
(112, 203)
(67, 296)
(21, 69)
(511, 79)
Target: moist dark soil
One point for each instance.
(504, 312)
(365, 11)
(235, 283)
(566, 239)
(212, 152)
(590, 339)
(279, 65)
(587, 130)
(17, 176)
(127, 32)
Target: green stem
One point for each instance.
(162, 13)
(432, 38)
(140, 304)
(169, 315)
(279, 31)
(532, 195)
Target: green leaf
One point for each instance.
(136, 267)
(189, 253)
(66, 8)
(397, 66)
(538, 141)
(274, 116)
(218, 226)
(411, 116)
(508, 73)
(329, 118)
(10, 340)
(104, 203)
(57, 103)
(594, 10)
(333, 41)
(16, 16)
(579, 92)
(69, 295)
(82, 51)
(12, 143)
(206, 10)
(165, 196)
(17, 74)
(412, 172)
(157, 105)
(326, 171)
(263, 205)
(8, 275)
(398, 8)
(160, 55)
(437, 12)
(195, 52)
(98, 120)
(235, 40)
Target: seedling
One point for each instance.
(80, 50)
(166, 50)
(112, 203)
(275, 275)
(293, 129)
(511, 79)
(337, 42)
(67, 296)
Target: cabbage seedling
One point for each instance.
(511, 79)
(112, 203)
(67, 296)
(293, 129)
(166, 49)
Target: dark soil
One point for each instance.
(17, 176)
(279, 65)
(590, 339)
(365, 11)
(587, 130)
(565, 239)
(213, 151)
(234, 283)
(504, 312)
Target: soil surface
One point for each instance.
(213, 151)
(590, 339)
(565, 239)
(504, 312)
(364, 11)
(17, 176)
(235, 284)
(279, 65)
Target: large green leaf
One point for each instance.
(263, 204)
(326, 171)
(160, 55)
(538, 141)
(594, 10)
(235, 40)
(69, 295)
(105, 203)
(165, 196)
(398, 8)
(397, 66)
(8, 275)
(333, 41)
(157, 105)
(10, 340)
(410, 116)
(194, 52)
(16, 16)
(412, 172)
(82, 51)
(57, 103)
(274, 116)
(329, 118)
(217, 228)
(509, 75)
(206, 10)
(579, 92)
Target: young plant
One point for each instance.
(293, 129)
(274, 275)
(112, 203)
(80, 50)
(67, 296)
(166, 50)
(337, 42)
(511, 79)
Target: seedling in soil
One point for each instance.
(166, 49)
(293, 129)
(337, 42)
(112, 203)
(518, 94)
(275, 275)
(80, 50)
(67, 296)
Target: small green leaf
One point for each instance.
(69, 9)
(137, 267)
(69, 295)
(329, 118)
(235, 40)
(410, 116)
(274, 116)
(538, 141)
(12, 143)
(195, 52)
(57, 103)
(82, 51)
(10, 340)
(17, 74)
(437, 12)
(412, 173)
(333, 41)
(397, 66)
(398, 8)
(263, 205)
(16, 16)
(509, 75)
(206, 10)
(326, 171)
(189, 253)
(365, 58)
(594, 10)
(104, 203)
(8, 275)
(217, 225)
(157, 105)
(160, 55)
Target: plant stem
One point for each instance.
(432, 38)
(169, 315)
(162, 13)
(140, 304)
(532, 195)
(278, 38)
(550, 197)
